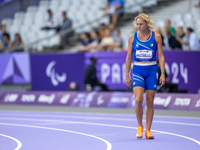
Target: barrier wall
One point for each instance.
(15, 68)
(100, 99)
(56, 71)
(182, 68)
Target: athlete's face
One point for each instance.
(141, 24)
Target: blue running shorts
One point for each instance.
(145, 76)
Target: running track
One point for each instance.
(82, 131)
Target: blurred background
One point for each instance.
(81, 45)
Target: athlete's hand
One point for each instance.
(162, 79)
(128, 81)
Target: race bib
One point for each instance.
(144, 54)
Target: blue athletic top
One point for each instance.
(144, 51)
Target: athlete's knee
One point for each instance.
(149, 101)
(138, 100)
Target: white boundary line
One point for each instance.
(100, 124)
(19, 144)
(89, 113)
(109, 146)
(107, 118)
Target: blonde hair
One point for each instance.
(146, 18)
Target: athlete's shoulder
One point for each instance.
(131, 37)
(157, 36)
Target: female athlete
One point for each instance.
(143, 45)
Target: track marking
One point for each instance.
(108, 125)
(19, 144)
(81, 113)
(54, 123)
(157, 133)
(117, 119)
(105, 134)
(109, 146)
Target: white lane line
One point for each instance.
(119, 126)
(178, 123)
(182, 117)
(186, 137)
(54, 123)
(19, 144)
(109, 146)
(105, 134)
(84, 113)
(117, 119)
(109, 125)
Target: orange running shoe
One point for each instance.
(139, 132)
(148, 135)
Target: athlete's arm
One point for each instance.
(161, 58)
(129, 58)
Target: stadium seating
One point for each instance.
(29, 23)
(179, 15)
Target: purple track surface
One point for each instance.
(83, 131)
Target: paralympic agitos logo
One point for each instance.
(55, 77)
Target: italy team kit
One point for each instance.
(145, 67)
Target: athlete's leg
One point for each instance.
(150, 110)
(151, 84)
(138, 92)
